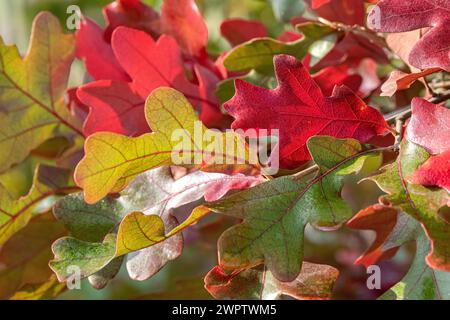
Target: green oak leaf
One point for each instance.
(72, 255)
(16, 213)
(140, 220)
(421, 203)
(32, 89)
(276, 213)
(258, 54)
(90, 223)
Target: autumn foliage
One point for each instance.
(356, 90)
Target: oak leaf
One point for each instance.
(298, 108)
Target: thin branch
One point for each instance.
(405, 111)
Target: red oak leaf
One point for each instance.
(429, 126)
(238, 30)
(97, 53)
(289, 36)
(210, 114)
(330, 77)
(299, 110)
(432, 51)
(381, 219)
(346, 11)
(318, 3)
(133, 14)
(434, 172)
(182, 20)
(352, 49)
(119, 106)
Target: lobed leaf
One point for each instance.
(16, 213)
(112, 160)
(32, 91)
(315, 282)
(276, 213)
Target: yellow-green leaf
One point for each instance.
(138, 231)
(15, 214)
(112, 160)
(32, 89)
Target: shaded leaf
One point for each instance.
(24, 258)
(155, 193)
(237, 30)
(16, 213)
(315, 281)
(46, 291)
(133, 14)
(285, 10)
(382, 220)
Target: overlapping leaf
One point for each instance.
(406, 15)
(315, 281)
(298, 108)
(182, 20)
(419, 202)
(275, 213)
(24, 258)
(116, 106)
(32, 108)
(399, 80)
(144, 212)
(382, 220)
(16, 213)
(429, 128)
(113, 160)
(421, 281)
(238, 31)
(258, 53)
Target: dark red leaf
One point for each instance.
(238, 30)
(119, 106)
(182, 20)
(97, 53)
(132, 14)
(298, 108)
(432, 51)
